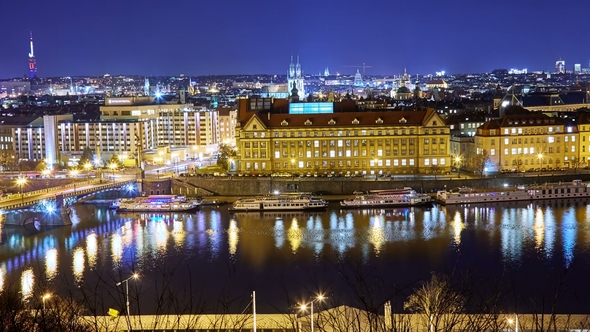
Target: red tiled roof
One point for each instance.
(392, 118)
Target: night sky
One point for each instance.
(200, 37)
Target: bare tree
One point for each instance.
(437, 303)
(480, 161)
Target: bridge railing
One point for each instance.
(46, 190)
(29, 203)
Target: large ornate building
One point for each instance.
(525, 141)
(278, 136)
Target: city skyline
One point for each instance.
(258, 37)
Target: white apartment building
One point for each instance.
(127, 126)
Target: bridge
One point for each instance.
(51, 206)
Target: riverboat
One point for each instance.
(561, 190)
(303, 202)
(387, 198)
(158, 203)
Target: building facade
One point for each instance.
(319, 140)
(126, 128)
(524, 141)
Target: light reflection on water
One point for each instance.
(146, 240)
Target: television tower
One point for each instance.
(32, 61)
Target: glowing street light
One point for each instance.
(376, 161)
(458, 161)
(21, 181)
(515, 321)
(303, 307)
(126, 281)
(113, 167)
(46, 172)
(74, 174)
(45, 297)
(88, 166)
(540, 156)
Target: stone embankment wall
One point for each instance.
(246, 186)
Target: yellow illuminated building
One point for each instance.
(270, 138)
(528, 141)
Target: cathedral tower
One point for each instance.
(295, 79)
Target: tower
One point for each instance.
(358, 79)
(32, 61)
(295, 78)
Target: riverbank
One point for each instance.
(251, 186)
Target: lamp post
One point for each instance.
(113, 167)
(458, 161)
(21, 181)
(540, 156)
(74, 174)
(88, 167)
(45, 297)
(46, 172)
(304, 307)
(126, 281)
(515, 321)
(376, 161)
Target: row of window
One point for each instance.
(410, 131)
(549, 139)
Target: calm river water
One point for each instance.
(210, 260)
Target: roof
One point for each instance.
(382, 118)
(22, 121)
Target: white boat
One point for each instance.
(302, 202)
(387, 198)
(560, 190)
(116, 203)
(158, 203)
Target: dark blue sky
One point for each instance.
(198, 37)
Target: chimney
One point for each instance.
(268, 116)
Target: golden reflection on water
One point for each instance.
(376, 233)
(116, 248)
(233, 236)
(91, 250)
(161, 235)
(294, 235)
(78, 264)
(51, 264)
(178, 233)
(2, 277)
(539, 229)
(458, 227)
(27, 281)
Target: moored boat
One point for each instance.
(158, 203)
(560, 190)
(303, 202)
(387, 198)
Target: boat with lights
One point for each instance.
(303, 202)
(561, 190)
(387, 198)
(157, 203)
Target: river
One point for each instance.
(210, 260)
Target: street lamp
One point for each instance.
(46, 172)
(540, 156)
(74, 174)
(21, 181)
(376, 161)
(45, 297)
(510, 321)
(88, 167)
(304, 307)
(458, 160)
(113, 167)
(126, 281)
